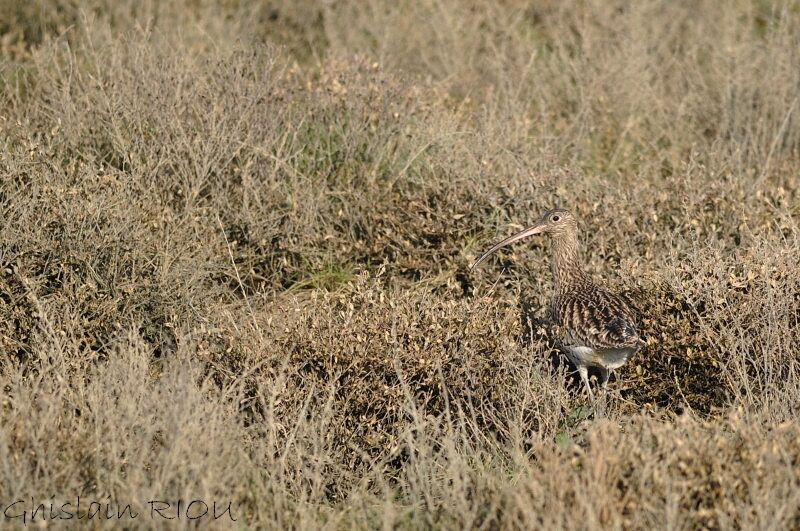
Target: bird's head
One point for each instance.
(558, 222)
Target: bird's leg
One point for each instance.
(584, 372)
(604, 375)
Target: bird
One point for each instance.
(593, 326)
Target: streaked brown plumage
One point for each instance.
(595, 327)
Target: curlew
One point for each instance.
(594, 327)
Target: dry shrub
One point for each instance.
(234, 241)
(387, 357)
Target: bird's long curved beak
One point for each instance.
(530, 231)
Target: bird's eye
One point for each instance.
(555, 218)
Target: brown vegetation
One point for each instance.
(234, 248)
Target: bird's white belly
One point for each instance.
(608, 359)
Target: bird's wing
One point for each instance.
(596, 319)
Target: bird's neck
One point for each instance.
(566, 267)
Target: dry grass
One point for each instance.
(234, 248)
